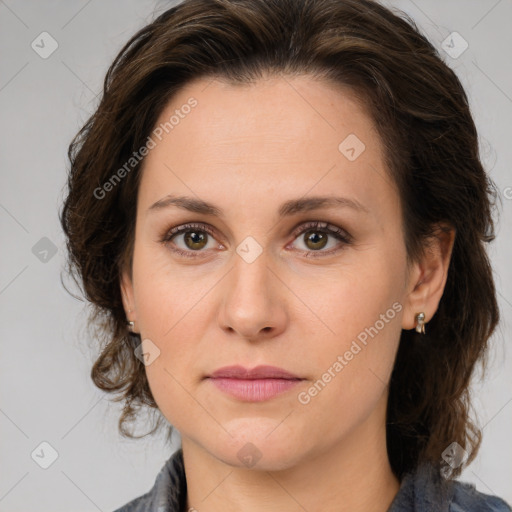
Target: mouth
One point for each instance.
(255, 385)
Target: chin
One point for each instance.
(262, 443)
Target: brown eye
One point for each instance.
(315, 239)
(195, 240)
(189, 239)
(316, 236)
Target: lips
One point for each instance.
(255, 385)
(260, 372)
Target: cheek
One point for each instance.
(171, 307)
(362, 309)
(352, 372)
(166, 294)
(354, 297)
(174, 375)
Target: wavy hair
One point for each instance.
(422, 113)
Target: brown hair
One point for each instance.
(422, 114)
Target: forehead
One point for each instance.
(286, 134)
(291, 116)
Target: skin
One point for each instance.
(247, 149)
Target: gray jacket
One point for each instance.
(424, 490)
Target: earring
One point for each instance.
(130, 323)
(420, 326)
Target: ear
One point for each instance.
(427, 277)
(127, 295)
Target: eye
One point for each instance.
(315, 238)
(195, 238)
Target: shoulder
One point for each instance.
(140, 504)
(425, 490)
(466, 498)
(167, 494)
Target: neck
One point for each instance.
(354, 475)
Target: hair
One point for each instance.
(422, 114)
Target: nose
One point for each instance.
(254, 303)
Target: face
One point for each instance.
(270, 274)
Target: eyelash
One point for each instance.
(319, 226)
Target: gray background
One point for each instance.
(45, 389)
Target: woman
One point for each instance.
(279, 213)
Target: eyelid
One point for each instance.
(322, 226)
(169, 233)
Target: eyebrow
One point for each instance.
(288, 208)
